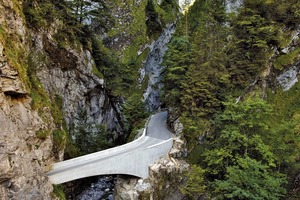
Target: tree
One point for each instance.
(186, 6)
(239, 133)
(89, 137)
(195, 185)
(176, 61)
(250, 179)
(87, 9)
(154, 26)
(252, 35)
(134, 110)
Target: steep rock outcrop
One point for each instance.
(26, 145)
(24, 157)
(68, 74)
(154, 69)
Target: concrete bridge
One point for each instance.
(132, 158)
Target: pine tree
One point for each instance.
(251, 180)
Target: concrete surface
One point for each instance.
(132, 158)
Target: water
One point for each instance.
(102, 189)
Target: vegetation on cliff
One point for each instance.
(94, 25)
(242, 136)
(220, 79)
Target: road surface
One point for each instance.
(125, 159)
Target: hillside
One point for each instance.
(81, 76)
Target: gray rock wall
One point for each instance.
(83, 93)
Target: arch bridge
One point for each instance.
(132, 158)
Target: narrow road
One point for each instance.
(156, 134)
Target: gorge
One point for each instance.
(77, 77)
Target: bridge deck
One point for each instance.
(132, 158)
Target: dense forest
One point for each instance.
(221, 81)
(242, 131)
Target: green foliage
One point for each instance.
(58, 192)
(135, 114)
(136, 29)
(38, 13)
(167, 11)
(71, 150)
(96, 72)
(257, 29)
(195, 185)
(177, 59)
(248, 149)
(195, 73)
(240, 131)
(154, 27)
(194, 127)
(285, 13)
(287, 59)
(285, 126)
(248, 52)
(42, 134)
(59, 139)
(251, 180)
(88, 137)
(247, 157)
(119, 77)
(88, 9)
(213, 11)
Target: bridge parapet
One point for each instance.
(132, 158)
(100, 154)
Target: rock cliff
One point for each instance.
(35, 70)
(67, 73)
(23, 156)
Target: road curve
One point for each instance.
(157, 134)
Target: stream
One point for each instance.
(102, 189)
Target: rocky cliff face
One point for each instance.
(24, 158)
(27, 149)
(153, 68)
(67, 73)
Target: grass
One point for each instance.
(286, 104)
(42, 134)
(287, 59)
(136, 29)
(96, 72)
(15, 53)
(58, 191)
(60, 138)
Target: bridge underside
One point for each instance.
(135, 163)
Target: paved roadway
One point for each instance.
(156, 133)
